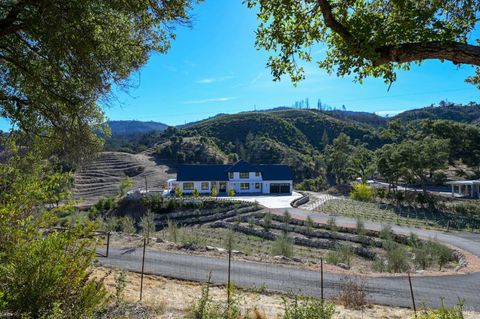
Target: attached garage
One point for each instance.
(279, 188)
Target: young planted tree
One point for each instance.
(147, 225)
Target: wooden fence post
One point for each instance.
(413, 297)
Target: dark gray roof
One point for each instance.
(195, 173)
(274, 172)
(209, 172)
(242, 166)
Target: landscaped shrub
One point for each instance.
(231, 192)
(332, 223)
(267, 221)
(362, 192)
(308, 308)
(282, 246)
(397, 258)
(172, 230)
(431, 252)
(386, 233)
(361, 231)
(126, 224)
(309, 225)
(195, 193)
(342, 254)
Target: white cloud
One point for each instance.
(217, 99)
(389, 113)
(213, 80)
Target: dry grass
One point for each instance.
(174, 298)
(102, 176)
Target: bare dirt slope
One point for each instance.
(102, 176)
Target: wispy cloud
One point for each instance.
(216, 99)
(215, 79)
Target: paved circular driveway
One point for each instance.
(269, 201)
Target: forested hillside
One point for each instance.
(469, 113)
(303, 138)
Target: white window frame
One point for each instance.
(230, 175)
(243, 187)
(257, 174)
(242, 175)
(188, 188)
(205, 186)
(257, 185)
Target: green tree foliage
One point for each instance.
(362, 192)
(52, 78)
(337, 157)
(389, 164)
(43, 273)
(423, 157)
(360, 163)
(125, 184)
(231, 192)
(367, 38)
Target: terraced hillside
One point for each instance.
(102, 177)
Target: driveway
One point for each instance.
(392, 291)
(269, 201)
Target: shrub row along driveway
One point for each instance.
(468, 241)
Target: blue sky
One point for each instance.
(214, 68)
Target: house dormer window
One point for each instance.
(257, 174)
(244, 175)
(230, 175)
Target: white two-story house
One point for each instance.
(242, 177)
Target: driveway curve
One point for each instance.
(391, 291)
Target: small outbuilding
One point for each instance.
(469, 188)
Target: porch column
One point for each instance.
(453, 190)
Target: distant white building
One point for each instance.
(465, 188)
(242, 177)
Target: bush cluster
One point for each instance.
(362, 192)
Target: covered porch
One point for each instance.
(469, 189)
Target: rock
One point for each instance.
(458, 268)
(296, 259)
(420, 271)
(220, 250)
(281, 258)
(210, 248)
(344, 266)
(237, 252)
